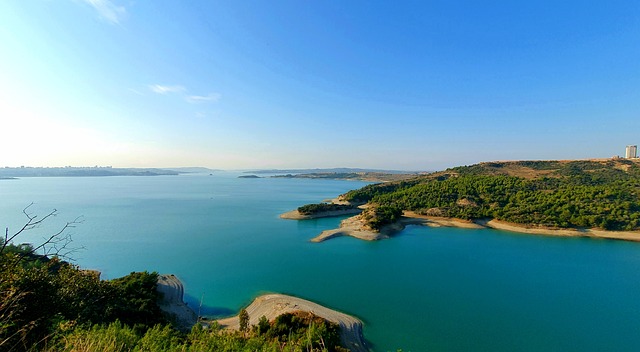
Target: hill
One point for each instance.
(328, 170)
(356, 176)
(578, 194)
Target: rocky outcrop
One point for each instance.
(172, 302)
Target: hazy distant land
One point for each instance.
(13, 172)
(329, 170)
(359, 176)
(369, 175)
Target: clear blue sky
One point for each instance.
(415, 85)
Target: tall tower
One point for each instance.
(631, 152)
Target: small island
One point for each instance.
(590, 198)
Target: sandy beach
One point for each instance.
(633, 236)
(273, 305)
(411, 218)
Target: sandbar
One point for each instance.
(354, 227)
(274, 305)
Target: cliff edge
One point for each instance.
(172, 302)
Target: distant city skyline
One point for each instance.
(233, 85)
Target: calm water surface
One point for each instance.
(427, 289)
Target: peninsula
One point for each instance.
(592, 198)
(272, 306)
(268, 308)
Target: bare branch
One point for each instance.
(56, 244)
(30, 224)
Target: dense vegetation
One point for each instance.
(379, 216)
(311, 209)
(51, 305)
(291, 332)
(589, 194)
(40, 298)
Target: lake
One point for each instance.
(426, 289)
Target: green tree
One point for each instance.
(263, 325)
(244, 320)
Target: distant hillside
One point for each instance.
(192, 170)
(545, 168)
(342, 170)
(566, 194)
(360, 176)
(9, 172)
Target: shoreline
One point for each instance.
(632, 236)
(353, 227)
(274, 305)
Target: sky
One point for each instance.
(405, 85)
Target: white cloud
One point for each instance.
(211, 97)
(108, 10)
(160, 89)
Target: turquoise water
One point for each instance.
(427, 289)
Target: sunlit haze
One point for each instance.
(411, 85)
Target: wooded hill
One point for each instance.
(565, 194)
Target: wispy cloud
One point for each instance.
(135, 91)
(183, 92)
(161, 89)
(212, 97)
(108, 10)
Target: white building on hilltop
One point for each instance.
(631, 152)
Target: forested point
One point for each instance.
(563, 194)
(311, 209)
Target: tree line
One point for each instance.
(576, 195)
